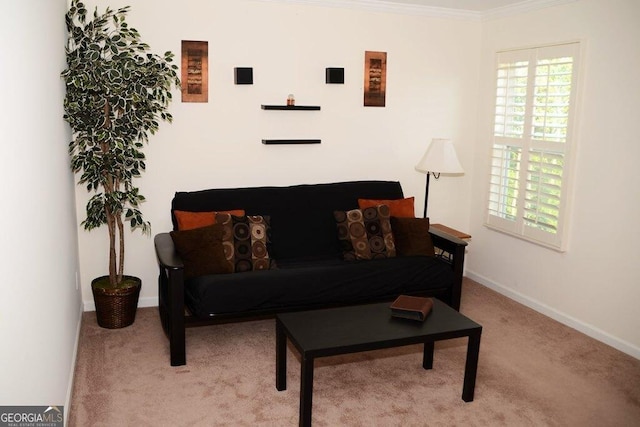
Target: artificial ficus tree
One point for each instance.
(117, 92)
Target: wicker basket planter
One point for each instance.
(116, 308)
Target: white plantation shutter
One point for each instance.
(543, 190)
(505, 176)
(535, 91)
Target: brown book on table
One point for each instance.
(409, 307)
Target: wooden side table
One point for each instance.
(451, 231)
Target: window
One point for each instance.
(532, 141)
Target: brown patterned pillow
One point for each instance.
(245, 240)
(365, 233)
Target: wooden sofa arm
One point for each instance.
(166, 252)
(455, 248)
(171, 296)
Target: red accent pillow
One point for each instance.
(403, 208)
(188, 220)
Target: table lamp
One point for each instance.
(440, 157)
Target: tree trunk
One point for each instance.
(121, 258)
(113, 218)
(111, 226)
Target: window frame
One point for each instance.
(505, 137)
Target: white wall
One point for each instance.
(431, 92)
(40, 305)
(594, 285)
(440, 83)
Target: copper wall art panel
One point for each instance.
(195, 71)
(375, 78)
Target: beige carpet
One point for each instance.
(533, 371)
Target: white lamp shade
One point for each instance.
(440, 157)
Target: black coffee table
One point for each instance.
(329, 332)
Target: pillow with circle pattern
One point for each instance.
(246, 241)
(365, 233)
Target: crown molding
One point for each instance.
(521, 7)
(390, 7)
(431, 11)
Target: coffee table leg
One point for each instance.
(427, 357)
(281, 357)
(306, 390)
(471, 366)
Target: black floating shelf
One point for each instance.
(290, 141)
(290, 107)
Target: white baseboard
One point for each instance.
(74, 356)
(563, 318)
(142, 302)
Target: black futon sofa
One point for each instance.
(310, 271)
